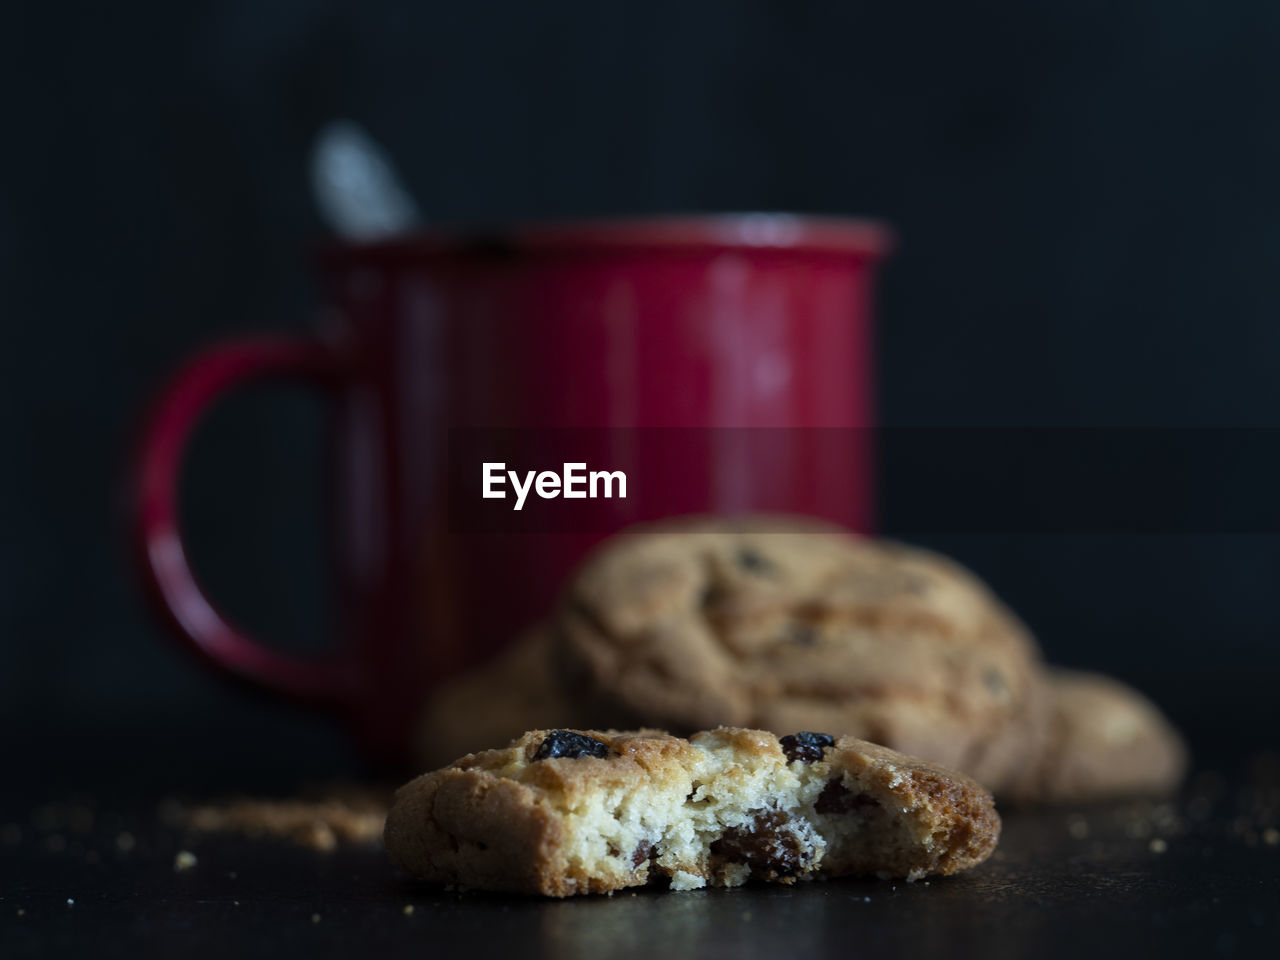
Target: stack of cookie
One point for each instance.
(794, 625)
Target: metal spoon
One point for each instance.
(359, 194)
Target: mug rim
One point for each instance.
(799, 232)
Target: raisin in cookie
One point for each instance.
(564, 812)
(1105, 740)
(702, 622)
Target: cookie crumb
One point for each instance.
(408, 910)
(185, 860)
(1157, 845)
(125, 842)
(321, 824)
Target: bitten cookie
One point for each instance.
(700, 622)
(1105, 740)
(564, 812)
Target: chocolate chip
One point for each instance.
(566, 743)
(771, 845)
(752, 560)
(806, 746)
(644, 850)
(837, 798)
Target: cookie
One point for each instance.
(1106, 740)
(566, 812)
(494, 703)
(780, 625)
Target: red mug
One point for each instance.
(732, 322)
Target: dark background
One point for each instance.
(1086, 194)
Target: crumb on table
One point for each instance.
(319, 824)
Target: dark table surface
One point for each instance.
(1197, 876)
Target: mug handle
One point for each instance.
(326, 681)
